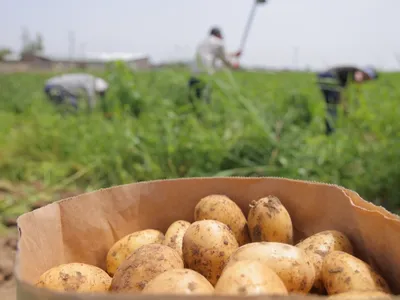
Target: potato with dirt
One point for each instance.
(174, 235)
(290, 263)
(143, 265)
(221, 208)
(75, 277)
(319, 245)
(207, 246)
(179, 282)
(129, 243)
(343, 272)
(269, 221)
(248, 278)
(360, 295)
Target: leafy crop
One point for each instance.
(258, 124)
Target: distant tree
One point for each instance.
(39, 43)
(30, 46)
(4, 52)
(26, 40)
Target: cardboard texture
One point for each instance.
(83, 228)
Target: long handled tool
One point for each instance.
(249, 22)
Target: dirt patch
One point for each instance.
(8, 247)
(16, 199)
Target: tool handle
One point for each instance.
(248, 25)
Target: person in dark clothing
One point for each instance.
(333, 82)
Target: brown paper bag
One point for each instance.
(83, 228)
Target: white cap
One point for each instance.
(370, 72)
(100, 85)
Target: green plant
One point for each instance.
(258, 124)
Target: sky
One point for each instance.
(284, 33)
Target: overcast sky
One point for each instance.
(321, 32)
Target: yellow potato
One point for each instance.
(343, 272)
(129, 243)
(75, 277)
(224, 210)
(144, 264)
(319, 245)
(174, 235)
(207, 246)
(269, 221)
(249, 277)
(290, 263)
(361, 295)
(179, 281)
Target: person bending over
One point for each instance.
(67, 88)
(333, 82)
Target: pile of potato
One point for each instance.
(223, 253)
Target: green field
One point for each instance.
(259, 124)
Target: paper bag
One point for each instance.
(83, 228)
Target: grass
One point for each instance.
(258, 124)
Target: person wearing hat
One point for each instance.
(66, 89)
(332, 84)
(209, 53)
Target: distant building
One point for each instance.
(91, 61)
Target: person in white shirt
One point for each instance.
(67, 88)
(209, 54)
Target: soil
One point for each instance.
(8, 247)
(8, 241)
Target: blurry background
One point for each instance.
(285, 34)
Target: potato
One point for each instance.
(319, 245)
(249, 277)
(269, 221)
(224, 210)
(129, 243)
(207, 246)
(290, 263)
(75, 277)
(179, 281)
(174, 235)
(361, 295)
(343, 272)
(144, 264)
